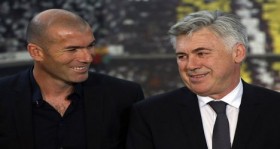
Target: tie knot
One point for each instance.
(218, 106)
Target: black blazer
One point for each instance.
(173, 121)
(107, 105)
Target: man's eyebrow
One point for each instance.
(73, 47)
(93, 43)
(201, 49)
(195, 50)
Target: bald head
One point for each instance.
(38, 30)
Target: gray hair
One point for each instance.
(225, 25)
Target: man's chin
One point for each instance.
(81, 79)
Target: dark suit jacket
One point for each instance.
(173, 121)
(107, 105)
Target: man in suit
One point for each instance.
(210, 47)
(58, 103)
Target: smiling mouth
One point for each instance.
(81, 68)
(198, 76)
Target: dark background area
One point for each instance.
(132, 41)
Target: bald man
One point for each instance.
(58, 103)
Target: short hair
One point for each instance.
(225, 25)
(38, 27)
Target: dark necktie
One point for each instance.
(221, 137)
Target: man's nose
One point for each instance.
(86, 55)
(193, 63)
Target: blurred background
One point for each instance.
(132, 40)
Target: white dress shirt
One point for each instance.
(208, 115)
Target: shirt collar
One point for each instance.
(232, 99)
(77, 93)
(37, 98)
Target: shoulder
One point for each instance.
(257, 95)
(113, 85)
(260, 93)
(169, 99)
(14, 79)
(103, 79)
(164, 107)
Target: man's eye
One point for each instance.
(92, 45)
(180, 57)
(202, 53)
(71, 49)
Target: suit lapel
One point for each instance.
(191, 119)
(248, 114)
(23, 110)
(93, 95)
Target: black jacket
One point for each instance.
(107, 105)
(173, 121)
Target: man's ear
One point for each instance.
(239, 53)
(35, 51)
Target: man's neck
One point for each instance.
(54, 92)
